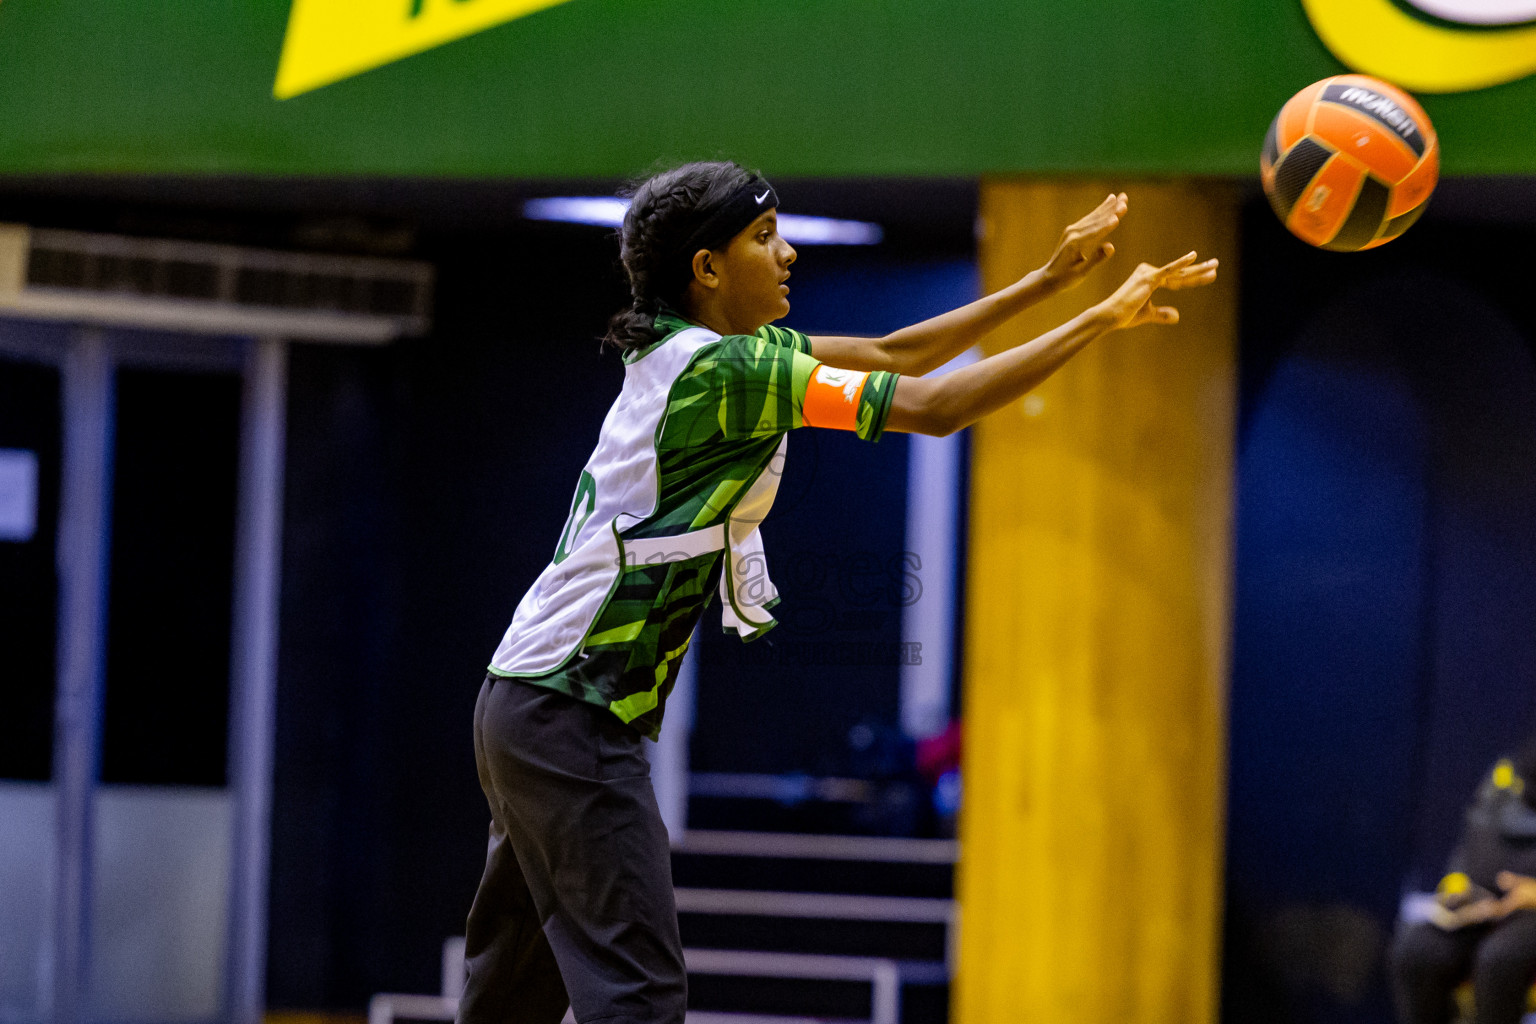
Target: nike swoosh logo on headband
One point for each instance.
(762, 197)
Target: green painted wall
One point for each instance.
(608, 87)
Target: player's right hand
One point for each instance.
(1131, 305)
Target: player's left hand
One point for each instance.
(1084, 244)
(1519, 892)
(1131, 304)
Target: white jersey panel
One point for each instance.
(746, 592)
(554, 616)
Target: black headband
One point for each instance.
(741, 208)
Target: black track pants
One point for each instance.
(577, 892)
(1428, 964)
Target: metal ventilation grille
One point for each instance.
(231, 276)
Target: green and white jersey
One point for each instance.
(667, 511)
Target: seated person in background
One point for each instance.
(1483, 924)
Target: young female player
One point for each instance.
(575, 906)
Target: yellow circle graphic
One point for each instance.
(1379, 38)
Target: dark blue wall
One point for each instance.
(1383, 651)
(426, 486)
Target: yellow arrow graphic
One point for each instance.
(329, 40)
(1379, 38)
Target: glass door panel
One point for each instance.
(30, 451)
(163, 814)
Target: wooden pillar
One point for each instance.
(1096, 636)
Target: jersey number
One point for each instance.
(582, 507)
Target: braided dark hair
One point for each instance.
(664, 212)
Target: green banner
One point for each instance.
(560, 88)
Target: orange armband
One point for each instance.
(832, 398)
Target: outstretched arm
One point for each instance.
(928, 345)
(943, 405)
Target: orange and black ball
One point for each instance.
(1349, 163)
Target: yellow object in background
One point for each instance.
(1454, 884)
(1096, 634)
(329, 40)
(1380, 38)
(1505, 777)
(14, 248)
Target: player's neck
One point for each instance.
(714, 316)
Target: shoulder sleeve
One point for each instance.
(751, 386)
(848, 400)
(743, 386)
(786, 337)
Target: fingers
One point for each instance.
(1114, 203)
(1090, 221)
(1150, 314)
(1179, 264)
(1093, 257)
(1181, 273)
(1195, 275)
(1104, 218)
(1156, 315)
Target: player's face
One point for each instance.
(754, 269)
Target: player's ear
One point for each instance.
(704, 269)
